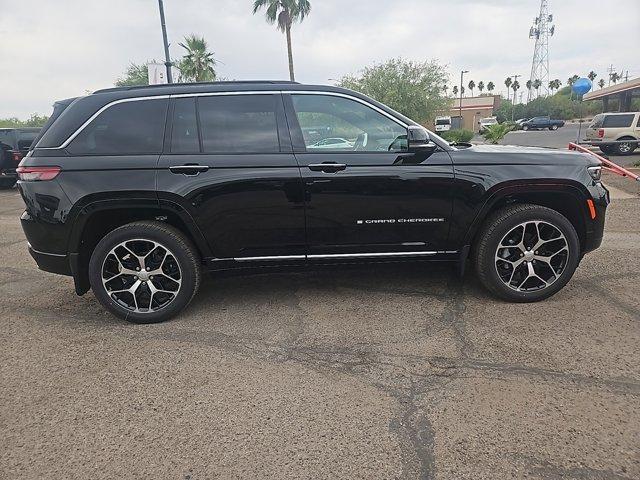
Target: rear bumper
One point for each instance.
(51, 262)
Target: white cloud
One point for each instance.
(52, 50)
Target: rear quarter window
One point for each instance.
(129, 128)
(618, 121)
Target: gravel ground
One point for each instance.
(380, 372)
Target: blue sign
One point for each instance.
(582, 86)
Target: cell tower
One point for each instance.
(542, 30)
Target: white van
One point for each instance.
(443, 124)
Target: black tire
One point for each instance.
(6, 183)
(172, 241)
(553, 127)
(525, 127)
(625, 148)
(606, 149)
(504, 221)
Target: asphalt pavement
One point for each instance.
(560, 139)
(384, 372)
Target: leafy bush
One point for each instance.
(457, 136)
(495, 133)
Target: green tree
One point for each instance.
(412, 88)
(537, 83)
(284, 13)
(507, 83)
(197, 64)
(529, 84)
(592, 75)
(134, 75)
(490, 87)
(34, 120)
(615, 76)
(472, 85)
(601, 83)
(515, 86)
(494, 133)
(481, 86)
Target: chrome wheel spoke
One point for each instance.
(141, 275)
(531, 256)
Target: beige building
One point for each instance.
(472, 110)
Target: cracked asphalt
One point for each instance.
(387, 371)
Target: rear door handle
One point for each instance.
(327, 167)
(191, 170)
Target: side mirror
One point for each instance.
(419, 141)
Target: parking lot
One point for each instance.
(387, 371)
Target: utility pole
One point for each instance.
(610, 72)
(462, 72)
(167, 59)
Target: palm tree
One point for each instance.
(572, 80)
(481, 86)
(472, 85)
(455, 90)
(528, 84)
(284, 13)
(462, 90)
(515, 86)
(445, 89)
(615, 76)
(592, 75)
(537, 84)
(490, 87)
(197, 65)
(507, 83)
(554, 85)
(601, 83)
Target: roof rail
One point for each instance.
(191, 84)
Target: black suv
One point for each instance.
(14, 145)
(135, 191)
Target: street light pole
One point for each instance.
(167, 59)
(462, 72)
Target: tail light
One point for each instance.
(601, 132)
(17, 156)
(37, 174)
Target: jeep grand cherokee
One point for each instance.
(135, 191)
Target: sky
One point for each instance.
(64, 48)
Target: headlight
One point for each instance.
(595, 173)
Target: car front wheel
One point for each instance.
(553, 127)
(526, 253)
(144, 272)
(525, 127)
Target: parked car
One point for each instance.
(485, 122)
(333, 143)
(443, 124)
(135, 191)
(14, 144)
(616, 127)
(542, 123)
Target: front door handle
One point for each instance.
(327, 167)
(191, 170)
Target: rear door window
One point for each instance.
(26, 138)
(184, 130)
(129, 128)
(239, 124)
(618, 121)
(7, 139)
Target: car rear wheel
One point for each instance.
(144, 272)
(625, 148)
(526, 253)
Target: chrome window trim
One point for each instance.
(213, 94)
(95, 115)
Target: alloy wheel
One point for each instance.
(141, 275)
(531, 256)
